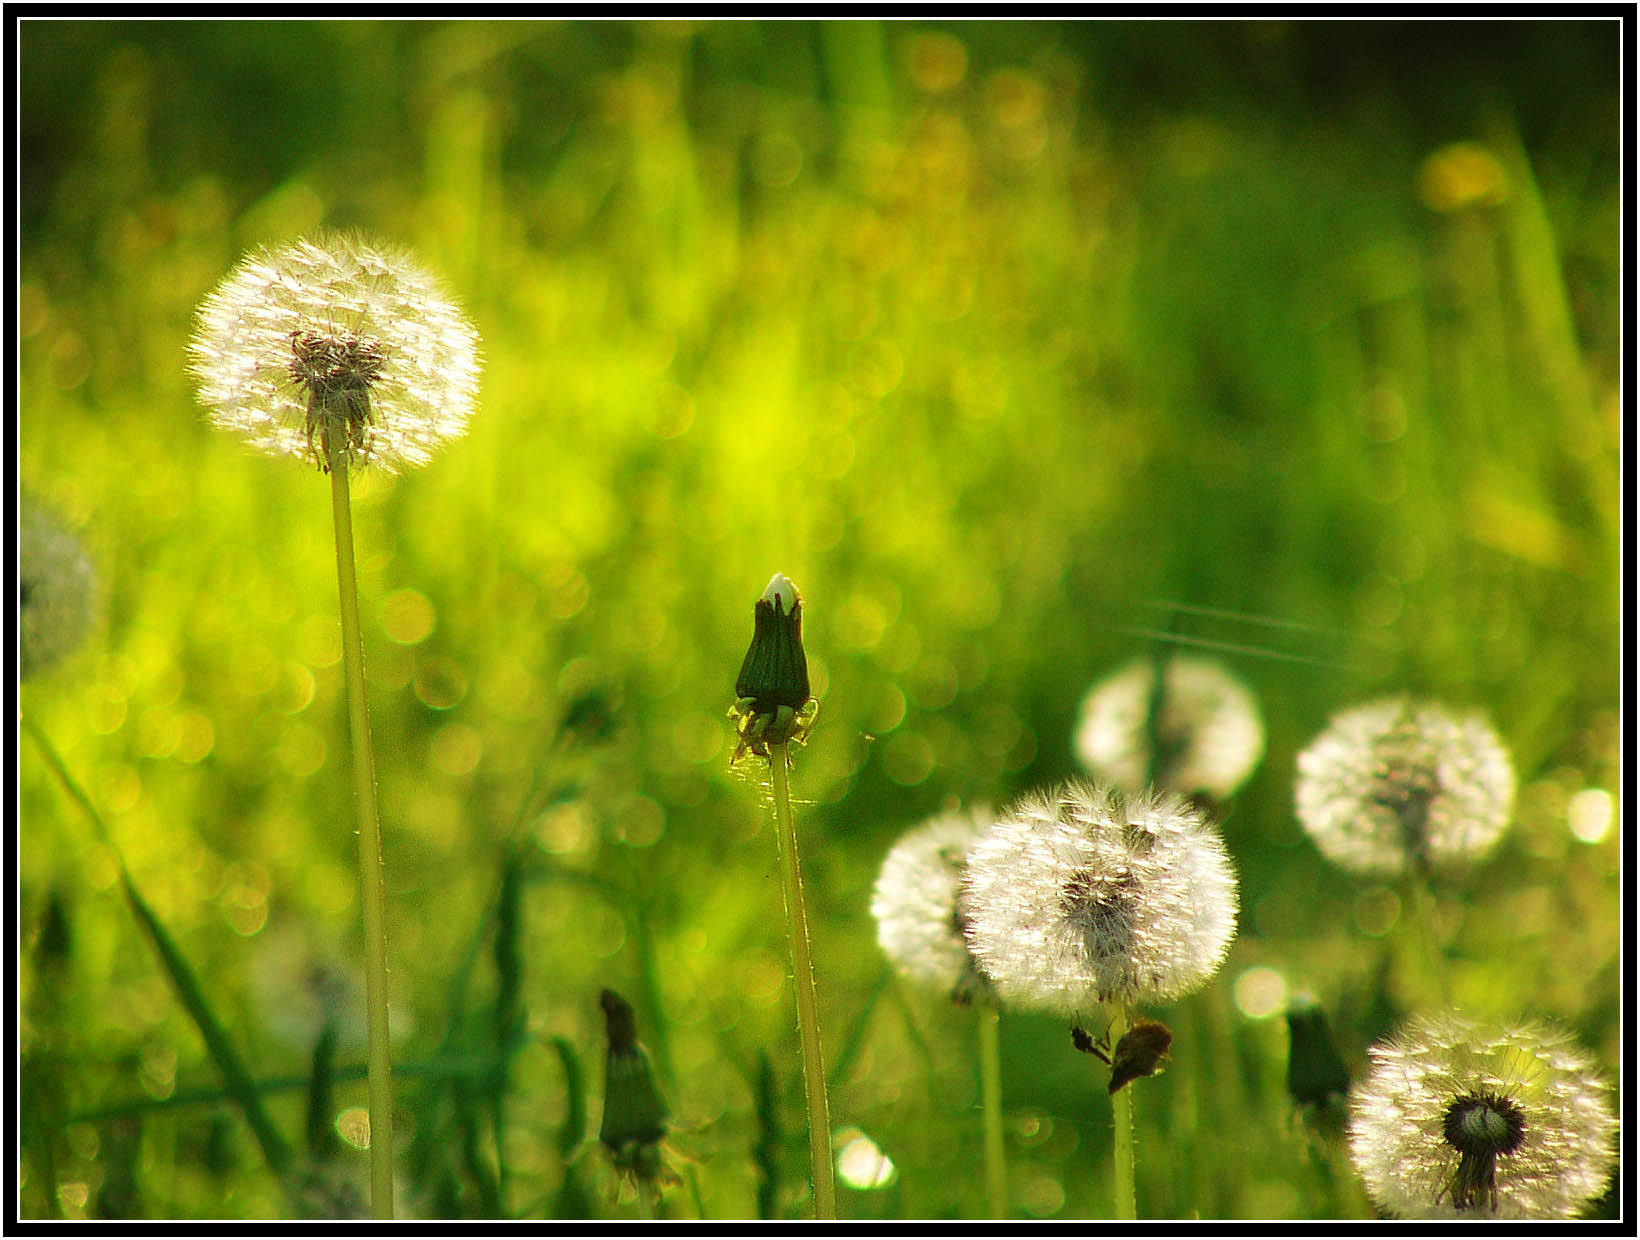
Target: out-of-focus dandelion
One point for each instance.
(336, 344)
(1396, 784)
(1206, 735)
(915, 904)
(1460, 1119)
(1083, 894)
(920, 927)
(56, 590)
(635, 1114)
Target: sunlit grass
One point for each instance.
(990, 372)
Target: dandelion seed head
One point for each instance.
(1459, 1119)
(1209, 726)
(56, 590)
(1082, 894)
(1395, 783)
(336, 341)
(915, 904)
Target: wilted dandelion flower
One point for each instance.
(1462, 1120)
(336, 343)
(915, 903)
(1083, 894)
(1395, 782)
(1208, 726)
(635, 1115)
(772, 702)
(56, 590)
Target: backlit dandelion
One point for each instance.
(1395, 783)
(1459, 1119)
(56, 590)
(1083, 894)
(336, 344)
(915, 904)
(1206, 738)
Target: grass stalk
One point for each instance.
(372, 875)
(1121, 1104)
(808, 1008)
(235, 1075)
(990, 1072)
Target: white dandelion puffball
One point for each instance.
(1458, 1119)
(914, 902)
(1082, 894)
(56, 590)
(1395, 783)
(336, 343)
(1208, 724)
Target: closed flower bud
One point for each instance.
(772, 704)
(635, 1114)
(1461, 1119)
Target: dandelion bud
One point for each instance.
(1396, 784)
(635, 1115)
(336, 347)
(56, 590)
(1206, 735)
(772, 691)
(916, 905)
(1457, 1119)
(1316, 1075)
(1083, 894)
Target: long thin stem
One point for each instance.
(1121, 1104)
(990, 1074)
(372, 875)
(808, 1008)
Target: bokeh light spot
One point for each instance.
(861, 1163)
(1261, 992)
(408, 617)
(1589, 814)
(1376, 911)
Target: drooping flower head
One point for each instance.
(772, 702)
(1459, 1119)
(635, 1115)
(915, 904)
(1396, 783)
(1082, 894)
(1206, 737)
(336, 344)
(56, 590)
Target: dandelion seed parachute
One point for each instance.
(336, 337)
(1082, 894)
(915, 903)
(1396, 783)
(1460, 1119)
(1211, 732)
(56, 589)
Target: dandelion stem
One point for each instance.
(1121, 1103)
(372, 875)
(808, 1013)
(990, 1069)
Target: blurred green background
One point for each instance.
(1004, 341)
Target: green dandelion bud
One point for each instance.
(772, 703)
(56, 590)
(635, 1114)
(1316, 1075)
